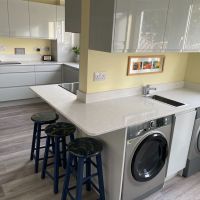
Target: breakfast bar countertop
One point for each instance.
(99, 118)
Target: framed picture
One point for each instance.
(145, 64)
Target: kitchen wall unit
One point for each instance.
(193, 29)
(180, 142)
(19, 18)
(144, 22)
(15, 80)
(177, 22)
(125, 26)
(73, 16)
(42, 20)
(4, 24)
(139, 25)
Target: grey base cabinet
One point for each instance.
(15, 80)
(70, 74)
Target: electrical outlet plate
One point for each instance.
(99, 76)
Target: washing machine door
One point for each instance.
(149, 157)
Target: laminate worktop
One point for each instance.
(99, 118)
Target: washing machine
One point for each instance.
(146, 158)
(193, 160)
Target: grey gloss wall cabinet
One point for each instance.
(73, 16)
(142, 25)
(4, 24)
(126, 25)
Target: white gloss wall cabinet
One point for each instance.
(42, 20)
(4, 24)
(145, 24)
(177, 22)
(124, 26)
(181, 138)
(19, 18)
(193, 29)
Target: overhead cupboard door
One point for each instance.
(193, 29)
(42, 20)
(4, 25)
(19, 18)
(142, 23)
(149, 157)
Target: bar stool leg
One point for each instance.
(37, 147)
(79, 178)
(64, 152)
(88, 173)
(53, 145)
(67, 178)
(100, 177)
(56, 164)
(33, 141)
(46, 154)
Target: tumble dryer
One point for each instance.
(193, 160)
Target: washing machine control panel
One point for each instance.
(139, 130)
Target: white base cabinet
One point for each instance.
(15, 80)
(180, 142)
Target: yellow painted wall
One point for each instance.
(115, 67)
(28, 44)
(193, 70)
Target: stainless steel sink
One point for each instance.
(71, 87)
(167, 101)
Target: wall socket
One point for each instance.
(99, 76)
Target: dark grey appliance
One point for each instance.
(146, 158)
(193, 161)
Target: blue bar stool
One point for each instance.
(59, 131)
(84, 149)
(39, 120)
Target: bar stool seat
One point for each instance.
(59, 131)
(40, 119)
(85, 147)
(45, 117)
(84, 150)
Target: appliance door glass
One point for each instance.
(198, 141)
(149, 157)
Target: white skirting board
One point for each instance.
(114, 94)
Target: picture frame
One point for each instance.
(138, 65)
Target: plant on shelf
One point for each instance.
(76, 51)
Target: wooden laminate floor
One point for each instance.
(17, 178)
